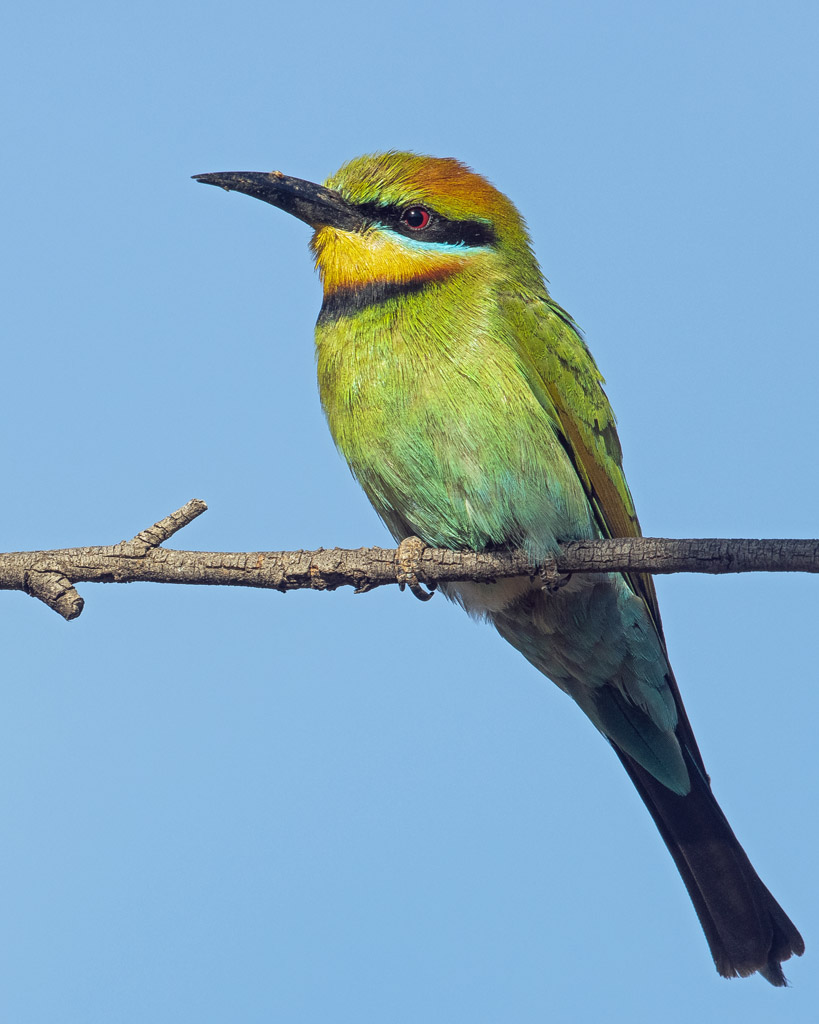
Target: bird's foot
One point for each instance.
(550, 578)
(408, 567)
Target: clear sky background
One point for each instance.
(219, 805)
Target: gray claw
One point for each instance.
(408, 567)
(551, 579)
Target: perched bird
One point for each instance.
(470, 410)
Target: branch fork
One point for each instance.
(48, 580)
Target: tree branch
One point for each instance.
(50, 575)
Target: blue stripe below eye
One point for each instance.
(428, 244)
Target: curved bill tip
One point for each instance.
(235, 181)
(209, 179)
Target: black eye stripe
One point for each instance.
(448, 232)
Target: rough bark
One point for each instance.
(51, 575)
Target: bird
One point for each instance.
(472, 413)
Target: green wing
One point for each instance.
(556, 353)
(571, 386)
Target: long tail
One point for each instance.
(746, 929)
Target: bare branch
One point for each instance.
(167, 527)
(52, 587)
(50, 575)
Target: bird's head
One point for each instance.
(398, 218)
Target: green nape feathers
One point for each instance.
(472, 413)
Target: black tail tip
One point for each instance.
(771, 971)
(774, 974)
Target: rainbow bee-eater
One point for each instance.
(470, 410)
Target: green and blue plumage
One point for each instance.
(470, 410)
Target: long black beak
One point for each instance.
(314, 204)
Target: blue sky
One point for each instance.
(234, 806)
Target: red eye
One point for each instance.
(416, 217)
